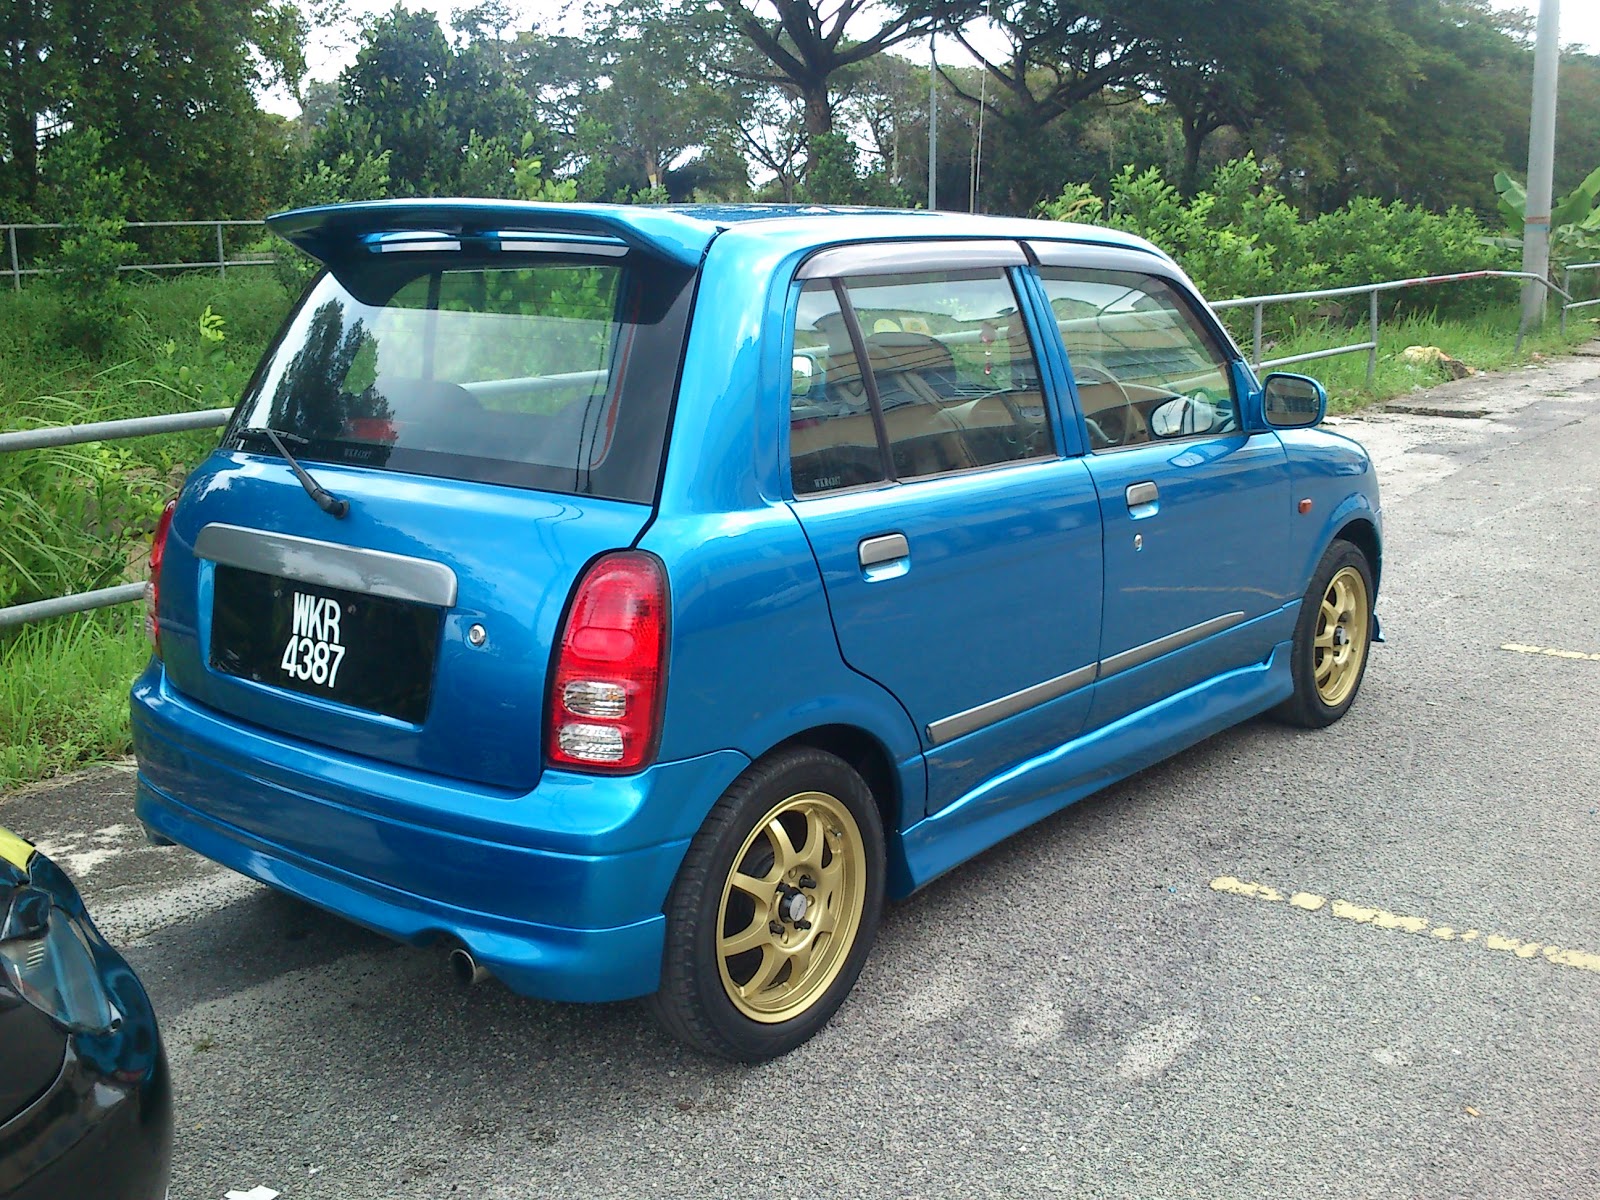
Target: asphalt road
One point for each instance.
(1079, 1012)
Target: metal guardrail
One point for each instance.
(68, 435)
(1371, 290)
(74, 435)
(1566, 281)
(110, 431)
(222, 262)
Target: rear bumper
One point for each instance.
(558, 892)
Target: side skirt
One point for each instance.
(1050, 781)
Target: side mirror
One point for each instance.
(1293, 401)
(801, 372)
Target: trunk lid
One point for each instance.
(448, 429)
(476, 706)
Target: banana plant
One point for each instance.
(1574, 219)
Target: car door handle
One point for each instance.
(884, 548)
(1139, 494)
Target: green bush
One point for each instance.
(94, 206)
(1242, 238)
(1367, 241)
(347, 177)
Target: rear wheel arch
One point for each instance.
(866, 755)
(775, 907)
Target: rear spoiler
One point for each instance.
(337, 233)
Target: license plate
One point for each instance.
(369, 652)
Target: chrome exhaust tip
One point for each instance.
(468, 971)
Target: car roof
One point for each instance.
(679, 233)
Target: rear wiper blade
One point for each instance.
(325, 500)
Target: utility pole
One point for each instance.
(1541, 163)
(933, 125)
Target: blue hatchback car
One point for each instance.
(632, 599)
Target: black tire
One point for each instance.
(1316, 704)
(702, 1000)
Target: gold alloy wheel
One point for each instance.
(791, 907)
(1344, 626)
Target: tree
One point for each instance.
(171, 87)
(632, 98)
(414, 95)
(1577, 118)
(1058, 55)
(769, 123)
(657, 104)
(834, 176)
(804, 45)
(93, 205)
(1444, 113)
(1237, 64)
(1059, 58)
(1574, 218)
(30, 84)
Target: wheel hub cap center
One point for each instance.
(1340, 637)
(793, 906)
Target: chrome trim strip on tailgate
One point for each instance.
(1140, 655)
(946, 728)
(350, 568)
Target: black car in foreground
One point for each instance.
(85, 1102)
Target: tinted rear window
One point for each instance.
(507, 370)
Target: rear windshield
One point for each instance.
(510, 370)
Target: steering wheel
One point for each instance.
(1025, 429)
(1129, 415)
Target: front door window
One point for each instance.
(1144, 366)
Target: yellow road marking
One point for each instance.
(1518, 648)
(1382, 919)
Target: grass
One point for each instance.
(77, 518)
(80, 517)
(74, 518)
(1486, 343)
(64, 692)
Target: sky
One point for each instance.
(1580, 25)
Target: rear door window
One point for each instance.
(954, 382)
(500, 371)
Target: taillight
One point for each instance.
(607, 687)
(152, 589)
